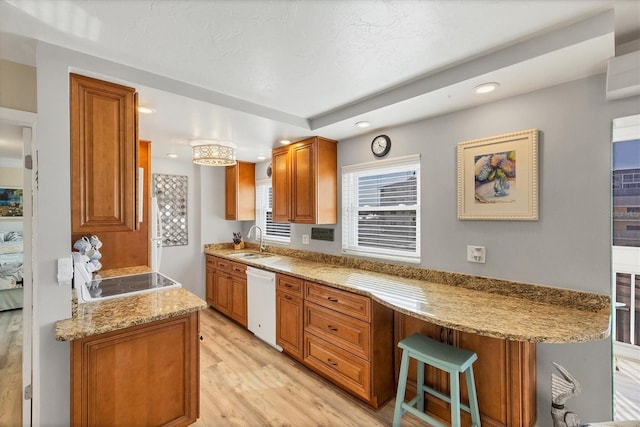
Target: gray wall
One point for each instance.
(568, 247)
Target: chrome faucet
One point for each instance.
(262, 248)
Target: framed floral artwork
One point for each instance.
(498, 177)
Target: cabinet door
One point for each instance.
(240, 191)
(156, 381)
(210, 284)
(280, 177)
(303, 182)
(239, 300)
(289, 331)
(103, 156)
(222, 292)
(230, 192)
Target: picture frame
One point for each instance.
(498, 177)
(11, 203)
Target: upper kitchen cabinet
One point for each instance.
(103, 156)
(304, 181)
(240, 191)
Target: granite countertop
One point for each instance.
(109, 315)
(490, 307)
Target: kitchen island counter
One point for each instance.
(114, 314)
(490, 307)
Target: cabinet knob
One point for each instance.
(201, 338)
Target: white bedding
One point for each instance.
(11, 268)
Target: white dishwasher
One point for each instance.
(261, 305)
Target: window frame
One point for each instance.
(261, 214)
(350, 207)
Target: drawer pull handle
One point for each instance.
(287, 297)
(332, 299)
(332, 363)
(332, 328)
(288, 286)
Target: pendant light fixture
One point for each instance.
(213, 153)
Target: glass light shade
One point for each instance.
(213, 155)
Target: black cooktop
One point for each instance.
(101, 288)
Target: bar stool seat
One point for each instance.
(447, 358)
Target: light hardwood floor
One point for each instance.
(11, 368)
(245, 382)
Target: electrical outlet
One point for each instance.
(476, 254)
(305, 239)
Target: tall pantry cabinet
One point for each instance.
(106, 158)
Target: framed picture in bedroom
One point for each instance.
(10, 202)
(498, 177)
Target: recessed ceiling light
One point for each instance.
(262, 158)
(285, 142)
(146, 110)
(172, 155)
(363, 124)
(486, 87)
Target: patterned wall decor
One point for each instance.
(171, 191)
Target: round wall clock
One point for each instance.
(381, 145)
(269, 171)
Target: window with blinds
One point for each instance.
(381, 209)
(274, 231)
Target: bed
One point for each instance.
(11, 269)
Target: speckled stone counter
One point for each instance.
(490, 307)
(119, 313)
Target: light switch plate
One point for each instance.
(305, 239)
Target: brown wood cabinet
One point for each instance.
(348, 339)
(103, 156)
(142, 375)
(289, 315)
(227, 287)
(240, 191)
(505, 374)
(304, 182)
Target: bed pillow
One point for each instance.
(11, 247)
(12, 236)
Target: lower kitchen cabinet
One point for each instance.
(289, 315)
(505, 374)
(348, 339)
(227, 288)
(142, 375)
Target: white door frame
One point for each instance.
(30, 335)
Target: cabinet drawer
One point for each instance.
(238, 269)
(234, 268)
(223, 265)
(343, 368)
(344, 331)
(290, 285)
(211, 261)
(357, 306)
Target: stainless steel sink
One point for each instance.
(250, 255)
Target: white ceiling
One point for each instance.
(259, 71)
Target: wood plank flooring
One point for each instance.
(11, 368)
(245, 382)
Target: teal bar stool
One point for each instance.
(444, 357)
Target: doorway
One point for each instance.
(626, 267)
(16, 266)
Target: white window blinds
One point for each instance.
(381, 209)
(274, 231)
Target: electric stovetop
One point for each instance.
(136, 283)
